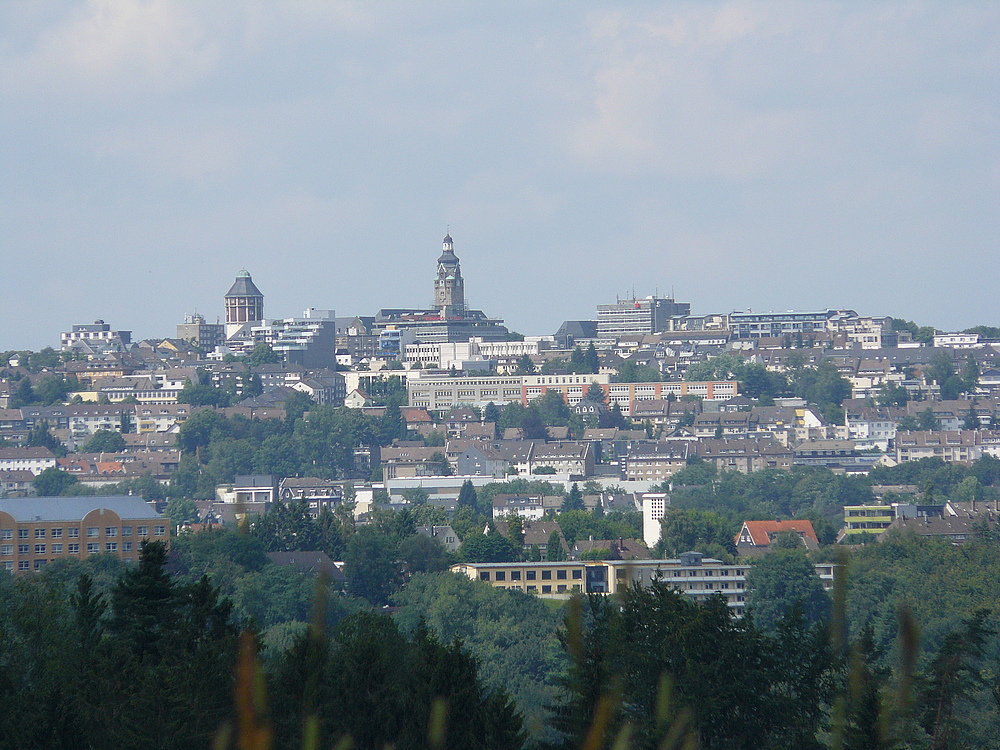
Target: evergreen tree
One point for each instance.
(574, 499)
(554, 551)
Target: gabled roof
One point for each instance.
(762, 533)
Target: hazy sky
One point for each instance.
(744, 155)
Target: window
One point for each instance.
(576, 587)
(74, 532)
(530, 575)
(484, 575)
(501, 575)
(57, 549)
(93, 531)
(532, 589)
(39, 533)
(57, 533)
(515, 575)
(111, 547)
(74, 549)
(39, 564)
(577, 575)
(7, 534)
(561, 588)
(561, 575)
(159, 530)
(143, 531)
(9, 565)
(22, 549)
(111, 531)
(7, 549)
(546, 575)
(23, 565)
(39, 549)
(93, 548)
(546, 589)
(126, 546)
(22, 533)
(126, 531)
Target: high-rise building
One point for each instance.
(244, 305)
(638, 316)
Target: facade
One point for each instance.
(40, 530)
(692, 574)
(205, 336)
(638, 316)
(751, 325)
(244, 305)
(36, 459)
(309, 341)
(757, 536)
(437, 392)
(654, 462)
(654, 508)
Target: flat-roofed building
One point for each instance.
(691, 573)
(38, 530)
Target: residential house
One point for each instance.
(655, 462)
(34, 459)
(756, 537)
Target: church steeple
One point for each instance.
(449, 288)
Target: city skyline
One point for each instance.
(742, 155)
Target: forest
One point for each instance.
(98, 654)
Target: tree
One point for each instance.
(491, 547)
(467, 495)
(525, 366)
(104, 441)
(554, 551)
(927, 421)
(438, 457)
(780, 581)
(263, 354)
(591, 359)
(970, 374)
(40, 437)
(532, 426)
(371, 567)
(574, 499)
(596, 393)
(491, 413)
(181, 510)
(52, 482)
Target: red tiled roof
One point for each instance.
(762, 532)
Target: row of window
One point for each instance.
(73, 532)
(56, 548)
(515, 575)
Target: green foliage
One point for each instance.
(654, 661)
(513, 635)
(700, 530)
(754, 379)
(180, 510)
(554, 551)
(631, 372)
(51, 482)
(582, 524)
(263, 354)
(372, 687)
(487, 548)
(780, 581)
(371, 565)
(574, 499)
(40, 437)
(104, 441)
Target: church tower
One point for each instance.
(244, 304)
(449, 289)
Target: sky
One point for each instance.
(762, 156)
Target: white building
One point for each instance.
(654, 507)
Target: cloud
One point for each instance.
(110, 48)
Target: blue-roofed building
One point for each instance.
(37, 530)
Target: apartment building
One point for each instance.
(37, 531)
(691, 573)
(439, 392)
